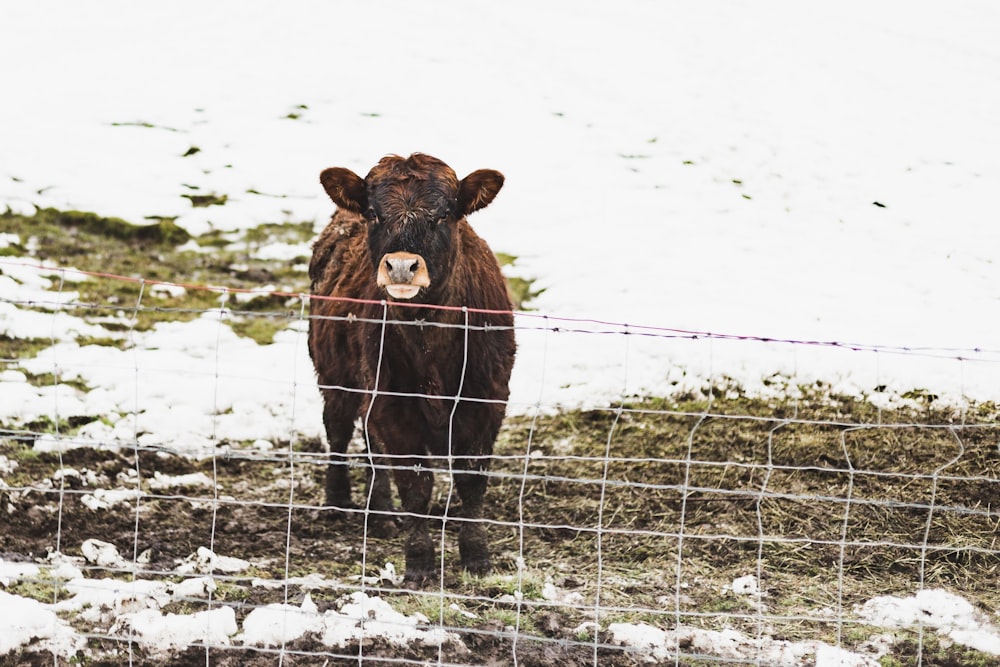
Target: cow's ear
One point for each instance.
(478, 189)
(346, 189)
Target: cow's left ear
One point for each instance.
(345, 188)
(478, 189)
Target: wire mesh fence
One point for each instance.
(163, 490)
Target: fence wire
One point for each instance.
(162, 482)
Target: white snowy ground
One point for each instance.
(706, 167)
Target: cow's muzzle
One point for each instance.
(403, 274)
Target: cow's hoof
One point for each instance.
(383, 527)
(338, 509)
(414, 580)
(473, 550)
(477, 567)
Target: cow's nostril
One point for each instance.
(403, 268)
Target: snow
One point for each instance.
(167, 290)
(712, 167)
(939, 610)
(27, 620)
(136, 607)
(167, 631)
(935, 609)
(659, 645)
(277, 624)
(553, 593)
(102, 499)
(10, 572)
(745, 585)
(362, 616)
(161, 481)
(359, 616)
(101, 553)
(205, 560)
(6, 465)
(102, 600)
(195, 587)
(195, 383)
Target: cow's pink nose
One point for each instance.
(403, 274)
(401, 270)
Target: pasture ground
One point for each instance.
(645, 511)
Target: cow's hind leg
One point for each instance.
(473, 547)
(339, 411)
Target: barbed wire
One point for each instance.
(553, 323)
(536, 471)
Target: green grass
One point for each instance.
(51, 379)
(103, 341)
(154, 253)
(211, 199)
(46, 590)
(157, 252)
(21, 348)
(75, 223)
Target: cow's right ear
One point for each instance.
(478, 189)
(346, 189)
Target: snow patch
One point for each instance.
(27, 621)
(283, 251)
(359, 617)
(362, 617)
(658, 645)
(945, 612)
(167, 290)
(195, 587)
(207, 561)
(163, 632)
(308, 582)
(102, 554)
(101, 599)
(102, 499)
(259, 293)
(161, 481)
(6, 465)
(553, 593)
(276, 624)
(746, 585)
(11, 572)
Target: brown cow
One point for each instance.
(426, 381)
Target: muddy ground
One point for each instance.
(680, 497)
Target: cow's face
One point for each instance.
(411, 207)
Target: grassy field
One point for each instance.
(639, 512)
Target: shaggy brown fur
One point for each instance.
(402, 230)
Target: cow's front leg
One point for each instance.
(338, 418)
(414, 488)
(381, 515)
(473, 547)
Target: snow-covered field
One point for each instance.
(779, 170)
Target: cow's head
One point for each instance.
(411, 207)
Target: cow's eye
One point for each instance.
(371, 216)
